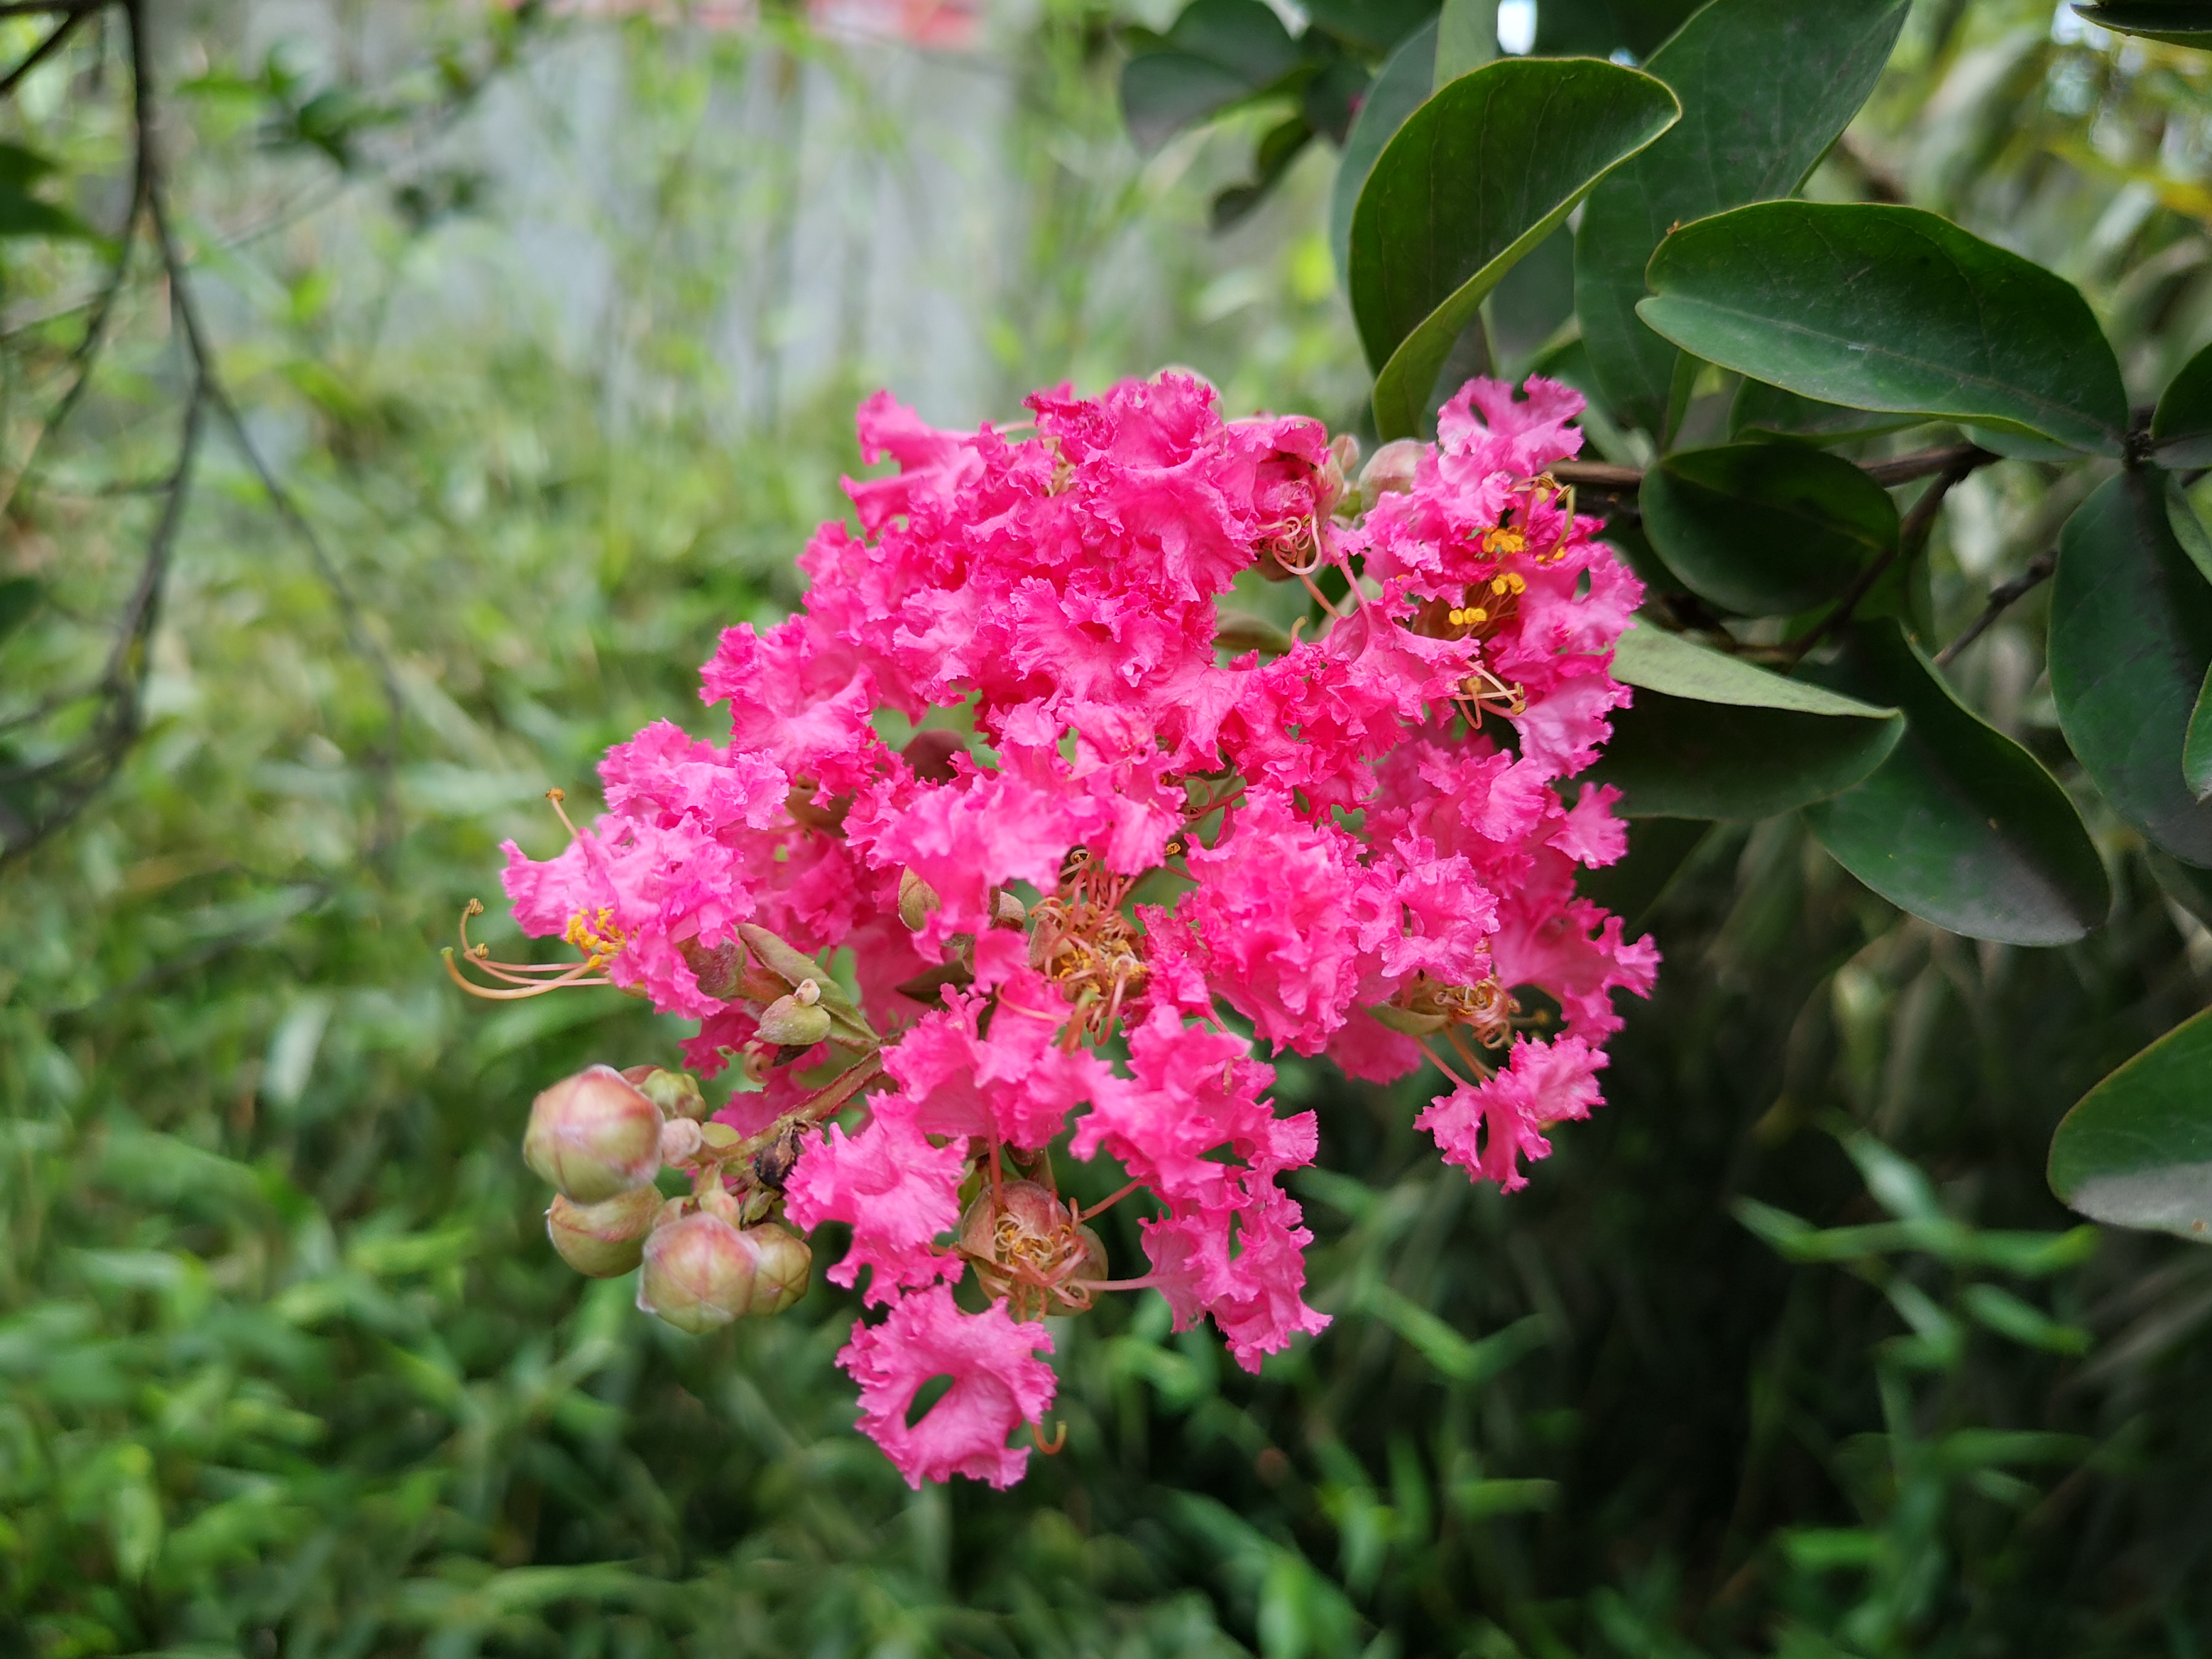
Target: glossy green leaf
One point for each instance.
(1710, 736)
(1960, 825)
(19, 597)
(2131, 643)
(1889, 308)
(1655, 660)
(1467, 38)
(2181, 426)
(2179, 23)
(1401, 87)
(1765, 90)
(2184, 884)
(1475, 179)
(1766, 528)
(1767, 412)
(1217, 52)
(2196, 744)
(2136, 1150)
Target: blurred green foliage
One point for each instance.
(1789, 1351)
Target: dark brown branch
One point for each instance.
(2002, 598)
(1600, 475)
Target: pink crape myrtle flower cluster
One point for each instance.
(1083, 848)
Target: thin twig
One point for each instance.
(44, 50)
(1912, 537)
(2001, 598)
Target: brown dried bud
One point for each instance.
(720, 971)
(698, 1273)
(1392, 469)
(1008, 911)
(601, 1240)
(1027, 1247)
(930, 754)
(677, 1093)
(679, 1140)
(790, 1023)
(785, 1270)
(916, 900)
(593, 1136)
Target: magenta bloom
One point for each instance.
(1086, 831)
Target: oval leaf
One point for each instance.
(2177, 22)
(1889, 308)
(1767, 412)
(1401, 87)
(2196, 744)
(1960, 825)
(1215, 53)
(1475, 179)
(1766, 528)
(1655, 660)
(2136, 1150)
(2181, 428)
(2131, 642)
(1765, 90)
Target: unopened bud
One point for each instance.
(593, 1136)
(677, 1093)
(1392, 469)
(1328, 488)
(720, 1200)
(601, 1240)
(720, 971)
(679, 1140)
(698, 1273)
(916, 900)
(790, 1024)
(806, 993)
(784, 1270)
(1008, 911)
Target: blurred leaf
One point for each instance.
(1377, 26)
(1677, 758)
(1889, 308)
(1280, 146)
(2025, 1323)
(1399, 86)
(1960, 825)
(1765, 90)
(2181, 425)
(1629, 886)
(2130, 644)
(2136, 1150)
(1476, 177)
(1457, 1357)
(1766, 528)
(2180, 23)
(1216, 53)
(19, 598)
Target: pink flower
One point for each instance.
(1244, 1265)
(997, 1385)
(1487, 1127)
(896, 1190)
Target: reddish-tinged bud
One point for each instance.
(698, 1273)
(720, 971)
(785, 1270)
(677, 1093)
(916, 900)
(601, 1240)
(593, 1136)
(679, 1140)
(1392, 469)
(718, 1201)
(790, 1022)
(1343, 457)
(1008, 911)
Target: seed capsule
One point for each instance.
(602, 1241)
(699, 1273)
(593, 1136)
(785, 1270)
(1028, 1248)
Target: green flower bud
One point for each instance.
(593, 1136)
(677, 1093)
(1391, 469)
(698, 1274)
(916, 899)
(601, 1240)
(785, 1268)
(791, 1024)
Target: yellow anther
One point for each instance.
(1477, 615)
